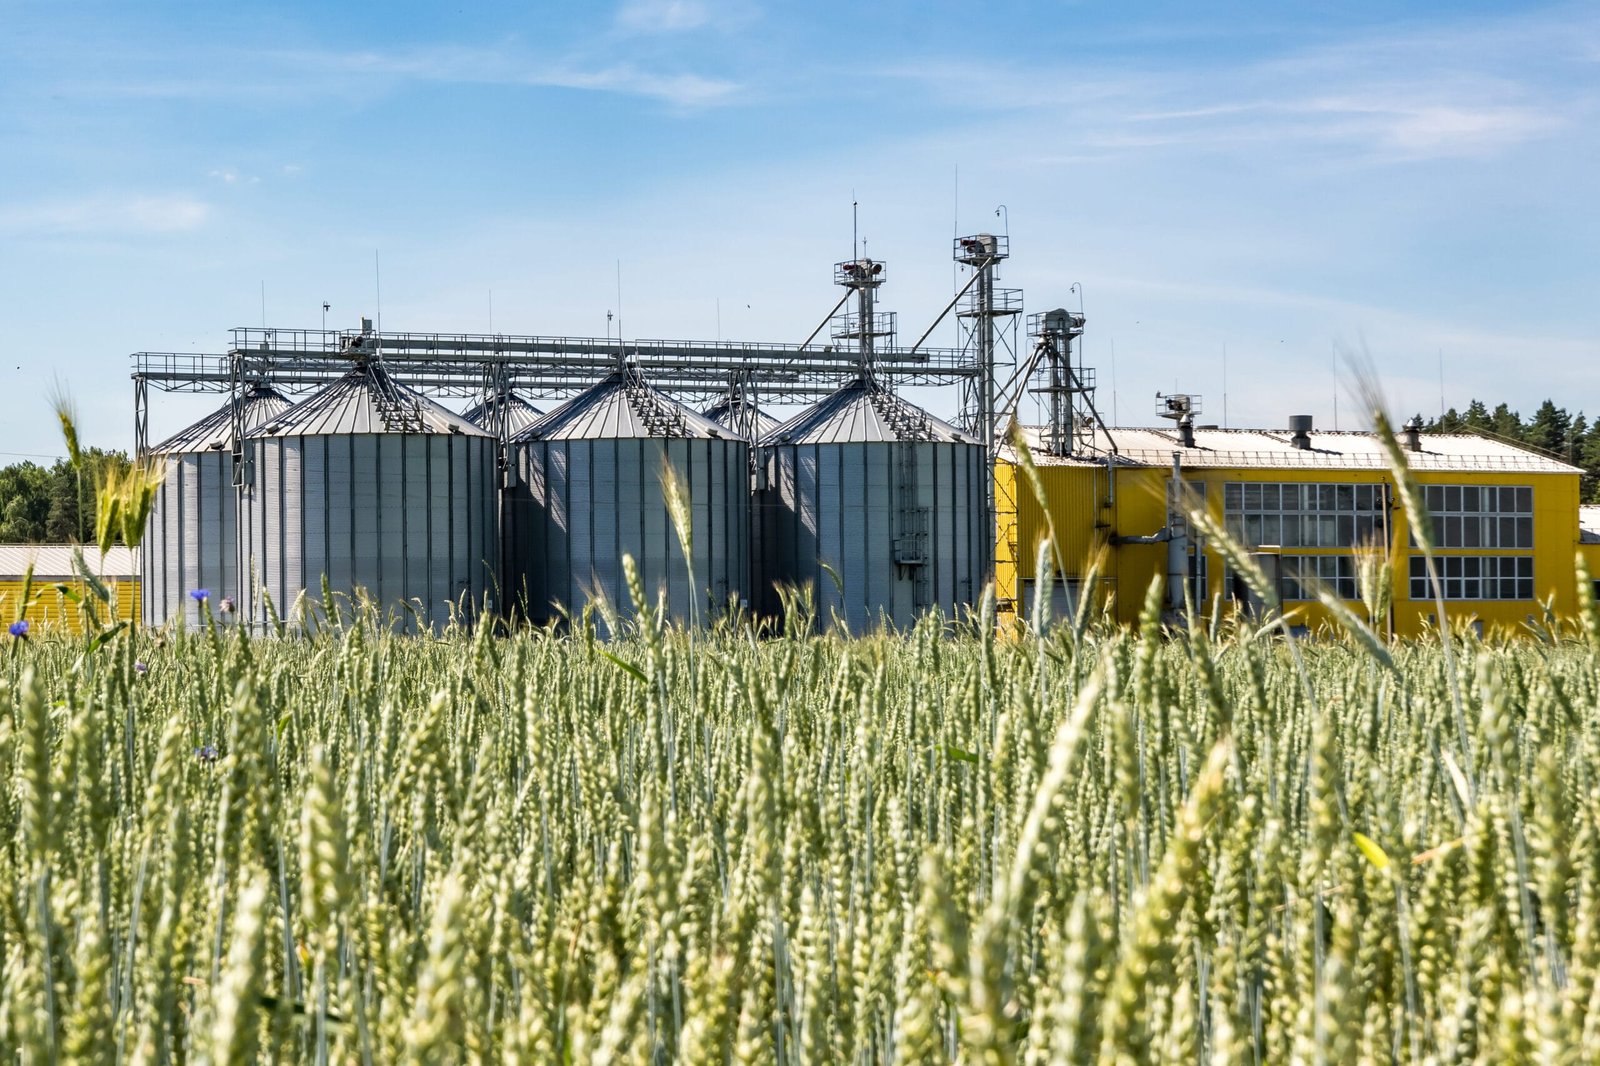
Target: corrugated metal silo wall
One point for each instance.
(410, 518)
(840, 507)
(581, 504)
(191, 540)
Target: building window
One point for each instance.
(1475, 577)
(1480, 516)
(1300, 575)
(1304, 514)
(1198, 581)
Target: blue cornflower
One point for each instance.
(19, 628)
(199, 595)
(141, 667)
(206, 753)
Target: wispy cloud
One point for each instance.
(505, 66)
(106, 215)
(661, 16)
(1468, 91)
(272, 76)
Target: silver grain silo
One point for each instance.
(887, 497)
(588, 488)
(192, 539)
(517, 412)
(377, 489)
(741, 416)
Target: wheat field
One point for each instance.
(1068, 843)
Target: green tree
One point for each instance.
(1506, 423)
(1589, 459)
(1477, 418)
(24, 502)
(1549, 428)
(56, 504)
(1572, 449)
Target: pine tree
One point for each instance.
(1549, 428)
(1477, 417)
(1506, 423)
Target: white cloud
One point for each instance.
(106, 214)
(1472, 91)
(230, 176)
(662, 16)
(681, 90)
(500, 66)
(274, 77)
(1443, 129)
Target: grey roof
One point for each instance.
(366, 400)
(1332, 450)
(519, 413)
(730, 410)
(215, 430)
(54, 561)
(864, 412)
(623, 405)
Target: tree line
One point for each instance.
(1571, 438)
(54, 504)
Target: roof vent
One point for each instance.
(1300, 431)
(1412, 433)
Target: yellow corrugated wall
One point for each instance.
(1087, 516)
(51, 610)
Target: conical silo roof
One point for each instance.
(731, 412)
(366, 400)
(624, 405)
(215, 430)
(519, 413)
(862, 413)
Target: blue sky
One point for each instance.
(1280, 181)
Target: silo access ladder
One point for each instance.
(400, 413)
(662, 420)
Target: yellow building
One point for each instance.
(45, 606)
(1506, 521)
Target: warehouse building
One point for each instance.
(43, 605)
(1506, 521)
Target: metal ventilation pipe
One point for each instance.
(1300, 430)
(1413, 434)
(1186, 431)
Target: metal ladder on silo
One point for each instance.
(911, 540)
(911, 543)
(661, 419)
(400, 413)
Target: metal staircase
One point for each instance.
(400, 413)
(662, 419)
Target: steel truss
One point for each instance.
(478, 365)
